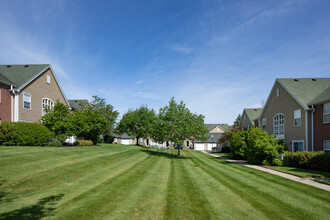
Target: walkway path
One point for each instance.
(284, 175)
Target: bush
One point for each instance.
(23, 134)
(225, 149)
(55, 143)
(108, 138)
(254, 145)
(308, 160)
(277, 162)
(83, 143)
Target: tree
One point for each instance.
(58, 121)
(177, 123)
(237, 121)
(106, 111)
(88, 124)
(138, 123)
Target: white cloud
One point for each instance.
(139, 82)
(181, 49)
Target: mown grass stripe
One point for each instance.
(256, 197)
(273, 182)
(107, 193)
(184, 200)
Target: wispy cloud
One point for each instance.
(139, 82)
(181, 49)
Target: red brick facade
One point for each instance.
(5, 103)
(321, 130)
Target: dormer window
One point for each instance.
(47, 105)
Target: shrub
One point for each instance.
(108, 138)
(308, 160)
(83, 143)
(55, 143)
(225, 149)
(254, 145)
(277, 162)
(23, 134)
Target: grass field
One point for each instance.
(303, 173)
(128, 182)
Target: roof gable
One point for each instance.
(305, 90)
(78, 104)
(211, 127)
(21, 74)
(252, 113)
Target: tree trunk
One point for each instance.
(179, 156)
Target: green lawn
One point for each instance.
(304, 173)
(116, 182)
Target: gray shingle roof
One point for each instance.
(123, 136)
(323, 97)
(210, 127)
(253, 113)
(306, 90)
(21, 74)
(5, 80)
(78, 104)
(215, 139)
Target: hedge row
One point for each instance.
(23, 134)
(83, 143)
(308, 160)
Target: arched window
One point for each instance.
(279, 124)
(47, 105)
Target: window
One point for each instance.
(326, 113)
(326, 145)
(279, 124)
(48, 79)
(277, 92)
(26, 100)
(297, 117)
(244, 117)
(263, 124)
(0, 94)
(297, 146)
(47, 105)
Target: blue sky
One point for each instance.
(217, 56)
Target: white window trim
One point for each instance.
(30, 100)
(324, 122)
(324, 146)
(48, 79)
(297, 141)
(262, 124)
(294, 122)
(277, 92)
(42, 105)
(278, 125)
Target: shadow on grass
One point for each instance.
(42, 208)
(159, 153)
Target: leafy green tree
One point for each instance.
(59, 121)
(106, 111)
(177, 123)
(138, 123)
(237, 121)
(88, 124)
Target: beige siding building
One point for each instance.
(250, 117)
(34, 89)
(288, 114)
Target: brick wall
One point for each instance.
(321, 130)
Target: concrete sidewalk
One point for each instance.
(284, 175)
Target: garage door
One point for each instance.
(199, 146)
(210, 145)
(126, 142)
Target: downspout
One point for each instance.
(306, 128)
(312, 127)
